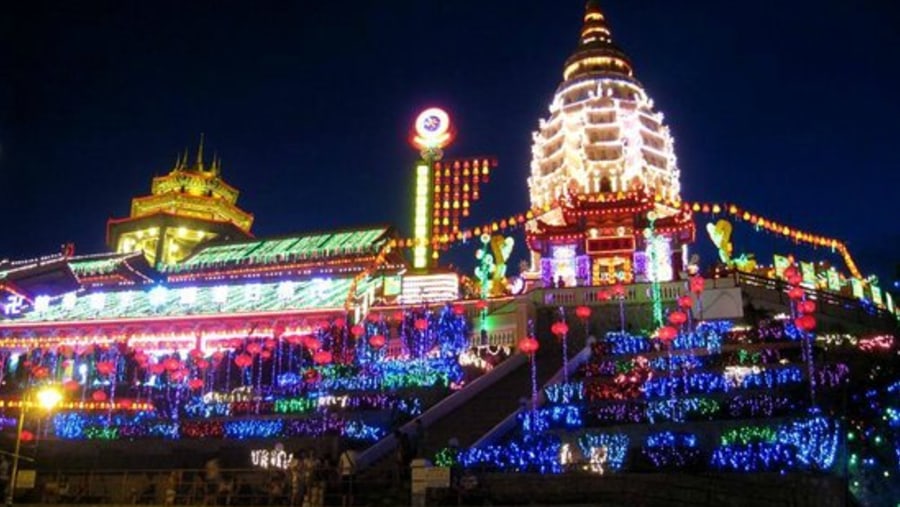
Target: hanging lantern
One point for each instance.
(373, 318)
(254, 348)
(71, 385)
(322, 357)
(98, 395)
(26, 436)
(177, 375)
(667, 334)
(195, 384)
(559, 328)
(459, 309)
(619, 290)
(481, 305)
(583, 312)
(421, 324)
(172, 364)
(805, 323)
(677, 318)
(792, 275)
(685, 302)
(807, 306)
(603, 295)
(528, 345)
(266, 354)
(157, 368)
(202, 364)
(795, 293)
(65, 351)
(697, 284)
(196, 354)
(105, 367)
(377, 341)
(398, 316)
(340, 322)
(357, 330)
(312, 343)
(269, 344)
(40, 372)
(243, 360)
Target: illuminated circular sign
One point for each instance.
(432, 129)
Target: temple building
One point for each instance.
(189, 206)
(604, 179)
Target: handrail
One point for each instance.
(509, 422)
(442, 408)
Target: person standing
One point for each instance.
(347, 469)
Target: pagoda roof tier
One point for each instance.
(112, 269)
(162, 304)
(345, 251)
(29, 278)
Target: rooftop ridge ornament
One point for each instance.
(432, 131)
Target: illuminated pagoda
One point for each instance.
(190, 205)
(601, 161)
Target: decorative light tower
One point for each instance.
(601, 161)
(444, 189)
(431, 134)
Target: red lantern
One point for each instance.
(667, 334)
(583, 312)
(697, 284)
(98, 396)
(322, 357)
(421, 324)
(398, 316)
(254, 348)
(26, 436)
(157, 369)
(357, 330)
(481, 305)
(377, 341)
(792, 275)
(807, 306)
(172, 364)
(243, 360)
(559, 328)
(266, 354)
(459, 309)
(71, 385)
(195, 383)
(805, 323)
(312, 343)
(40, 372)
(619, 290)
(196, 354)
(373, 318)
(65, 351)
(202, 364)
(340, 323)
(603, 295)
(269, 344)
(177, 375)
(677, 318)
(685, 301)
(105, 367)
(795, 293)
(528, 345)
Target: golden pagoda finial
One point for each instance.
(184, 159)
(216, 164)
(199, 164)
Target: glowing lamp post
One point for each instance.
(431, 133)
(48, 398)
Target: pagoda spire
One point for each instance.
(596, 52)
(199, 164)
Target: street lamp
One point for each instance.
(47, 397)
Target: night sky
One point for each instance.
(788, 109)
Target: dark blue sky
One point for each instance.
(785, 108)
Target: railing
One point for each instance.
(441, 409)
(509, 422)
(634, 293)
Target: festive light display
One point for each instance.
(612, 447)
